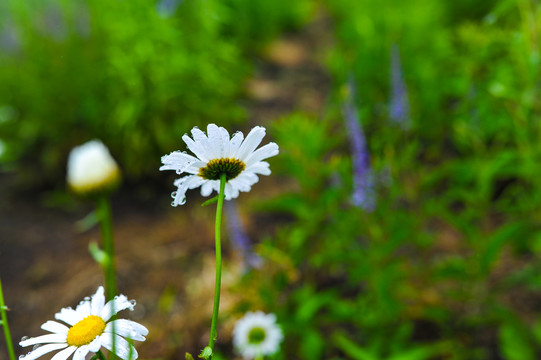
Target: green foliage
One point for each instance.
(121, 71)
(443, 267)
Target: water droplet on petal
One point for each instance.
(87, 298)
(174, 194)
(173, 203)
(25, 338)
(36, 346)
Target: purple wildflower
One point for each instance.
(239, 238)
(167, 8)
(364, 195)
(10, 41)
(399, 108)
(53, 23)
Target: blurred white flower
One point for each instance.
(89, 329)
(92, 169)
(215, 154)
(257, 334)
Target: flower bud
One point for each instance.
(92, 170)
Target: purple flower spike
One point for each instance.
(239, 239)
(167, 8)
(364, 195)
(399, 108)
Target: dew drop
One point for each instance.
(25, 338)
(23, 356)
(87, 298)
(173, 203)
(36, 346)
(174, 194)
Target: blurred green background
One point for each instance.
(447, 265)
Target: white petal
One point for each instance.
(253, 139)
(55, 327)
(241, 184)
(249, 177)
(81, 353)
(128, 329)
(42, 350)
(49, 338)
(83, 309)
(206, 189)
(69, 316)
(95, 345)
(183, 184)
(235, 143)
(97, 302)
(215, 146)
(228, 191)
(112, 307)
(271, 149)
(64, 354)
(122, 347)
(178, 161)
(198, 148)
(225, 142)
(199, 137)
(261, 167)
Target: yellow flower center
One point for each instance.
(229, 166)
(85, 331)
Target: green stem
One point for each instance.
(100, 355)
(5, 325)
(217, 286)
(106, 226)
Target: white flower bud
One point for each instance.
(92, 169)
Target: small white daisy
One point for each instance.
(215, 154)
(89, 329)
(257, 334)
(92, 168)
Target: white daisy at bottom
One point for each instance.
(256, 335)
(89, 330)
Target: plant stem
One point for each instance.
(106, 226)
(5, 325)
(100, 355)
(218, 244)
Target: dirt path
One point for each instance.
(165, 255)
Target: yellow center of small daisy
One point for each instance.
(85, 331)
(229, 166)
(256, 335)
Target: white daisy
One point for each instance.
(89, 329)
(92, 168)
(216, 153)
(257, 334)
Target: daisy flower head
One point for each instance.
(257, 334)
(217, 153)
(89, 328)
(92, 169)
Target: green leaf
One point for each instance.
(98, 254)
(210, 201)
(351, 349)
(206, 353)
(188, 356)
(87, 223)
(514, 343)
